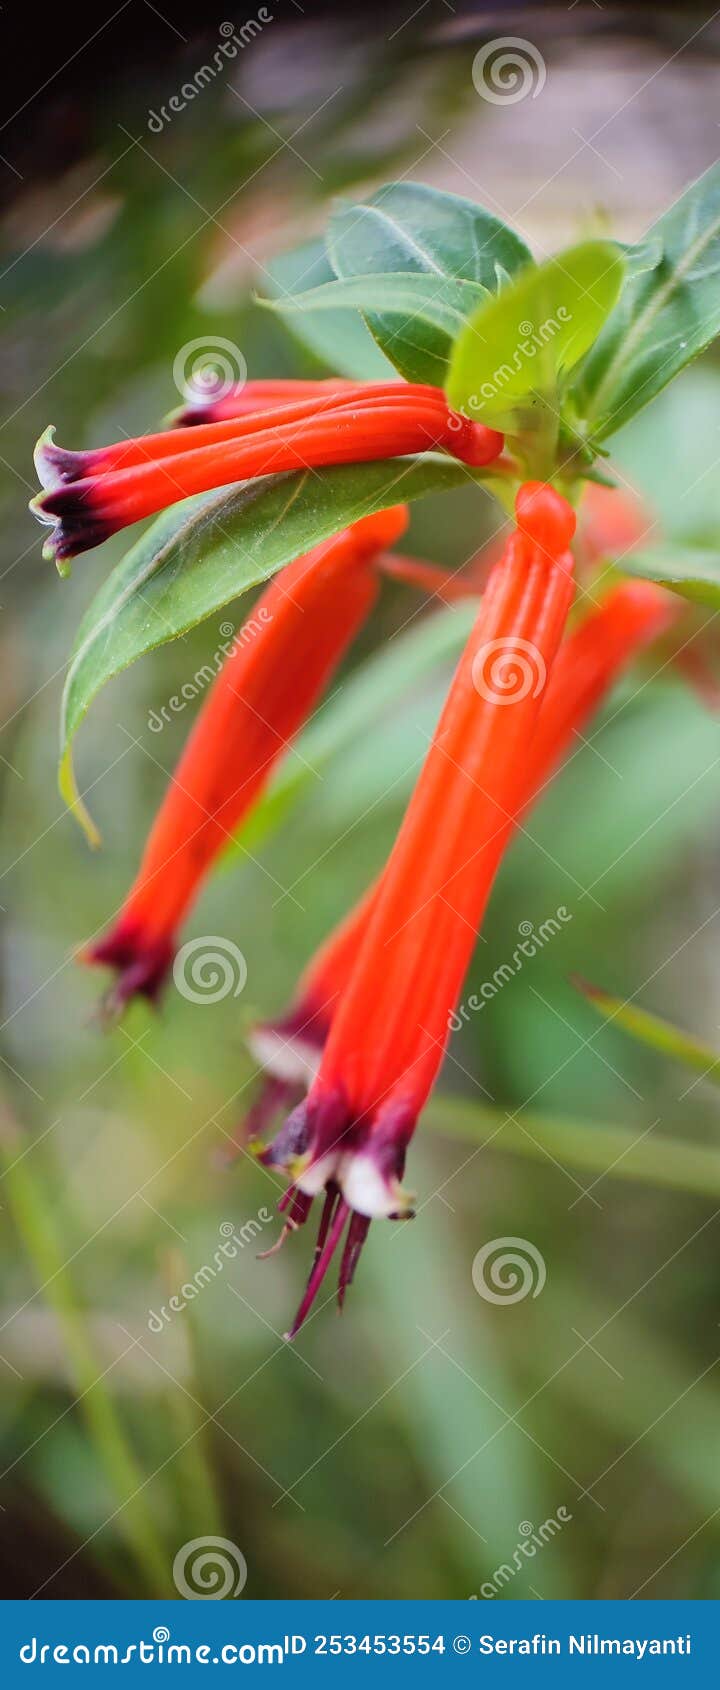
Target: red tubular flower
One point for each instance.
(281, 662)
(388, 1036)
(91, 495)
(290, 1047)
(249, 396)
(590, 660)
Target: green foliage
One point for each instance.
(508, 360)
(338, 338)
(203, 553)
(668, 312)
(421, 303)
(654, 1031)
(691, 572)
(407, 227)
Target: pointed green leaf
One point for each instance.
(416, 300)
(340, 339)
(407, 226)
(516, 345)
(689, 571)
(652, 1030)
(668, 312)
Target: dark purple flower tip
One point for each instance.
(142, 968)
(310, 1145)
(77, 522)
(290, 1143)
(56, 466)
(371, 1172)
(187, 416)
(273, 1096)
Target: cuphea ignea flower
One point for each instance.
(301, 628)
(590, 660)
(239, 400)
(90, 495)
(389, 1032)
(289, 1048)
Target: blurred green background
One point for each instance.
(405, 1449)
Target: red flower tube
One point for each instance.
(589, 661)
(388, 1036)
(91, 495)
(249, 396)
(301, 627)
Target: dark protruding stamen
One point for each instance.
(357, 1233)
(321, 1264)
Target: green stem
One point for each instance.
(35, 1222)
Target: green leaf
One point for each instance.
(652, 1030)
(514, 348)
(416, 300)
(340, 339)
(668, 312)
(689, 571)
(205, 552)
(409, 227)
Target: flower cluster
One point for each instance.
(356, 1056)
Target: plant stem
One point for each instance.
(35, 1222)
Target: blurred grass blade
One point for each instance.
(36, 1223)
(652, 1030)
(651, 1159)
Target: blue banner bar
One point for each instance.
(504, 1643)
